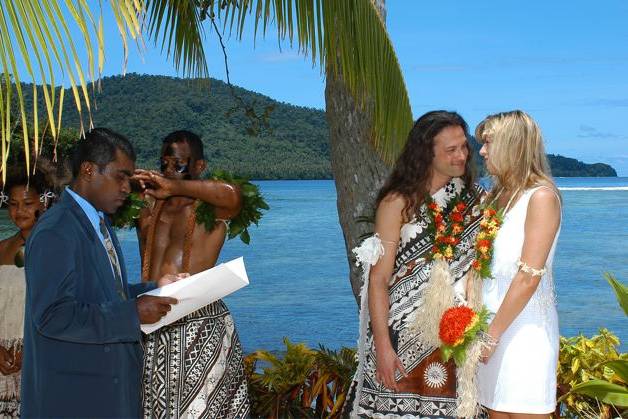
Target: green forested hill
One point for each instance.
(568, 167)
(146, 108)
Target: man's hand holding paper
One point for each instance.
(198, 291)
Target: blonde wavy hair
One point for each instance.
(517, 154)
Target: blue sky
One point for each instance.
(565, 63)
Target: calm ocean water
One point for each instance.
(299, 275)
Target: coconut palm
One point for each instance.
(35, 40)
(367, 102)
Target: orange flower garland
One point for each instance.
(490, 224)
(459, 326)
(446, 232)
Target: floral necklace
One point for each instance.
(446, 225)
(492, 220)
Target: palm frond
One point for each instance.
(180, 27)
(347, 38)
(39, 38)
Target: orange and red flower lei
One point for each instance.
(447, 232)
(489, 225)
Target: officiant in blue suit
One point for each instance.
(82, 355)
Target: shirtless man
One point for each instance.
(193, 366)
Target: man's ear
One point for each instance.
(87, 170)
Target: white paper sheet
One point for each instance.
(200, 290)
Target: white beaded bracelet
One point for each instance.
(524, 267)
(489, 339)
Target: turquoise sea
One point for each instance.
(299, 274)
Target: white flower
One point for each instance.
(369, 251)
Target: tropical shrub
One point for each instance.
(585, 360)
(304, 383)
(592, 374)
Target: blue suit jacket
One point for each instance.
(82, 355)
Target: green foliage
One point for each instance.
(621, 291)
(331, 379)
(40, 38)
(129, 212)
(278, 390)
(592, 374)
(47, 147)
(603, 391)
(51, 157)
(302, 383)
(146, 108)
(620, 367)
(252, 205)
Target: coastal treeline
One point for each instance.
(289, 142)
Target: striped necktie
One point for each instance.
(113, 258)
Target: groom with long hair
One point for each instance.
(399, 372)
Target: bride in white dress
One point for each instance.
(518, 376)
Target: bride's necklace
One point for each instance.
(491, 222)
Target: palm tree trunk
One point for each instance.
(358, 170)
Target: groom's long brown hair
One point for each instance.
(412, 172)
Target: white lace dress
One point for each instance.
(520, 376)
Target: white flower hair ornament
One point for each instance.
(47, 197)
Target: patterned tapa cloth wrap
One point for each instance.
(194, 368)
(429, 389)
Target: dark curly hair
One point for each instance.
(410, 176)
(17, 176)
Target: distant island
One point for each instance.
(145, 108)
(561, 166)
(568, 167)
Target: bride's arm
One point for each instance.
(388, 225)
(541, 225)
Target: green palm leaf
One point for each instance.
(346, 38)
(621, 291)
(603, 391)
(619, 367)
(37, 39)
(179, 25)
